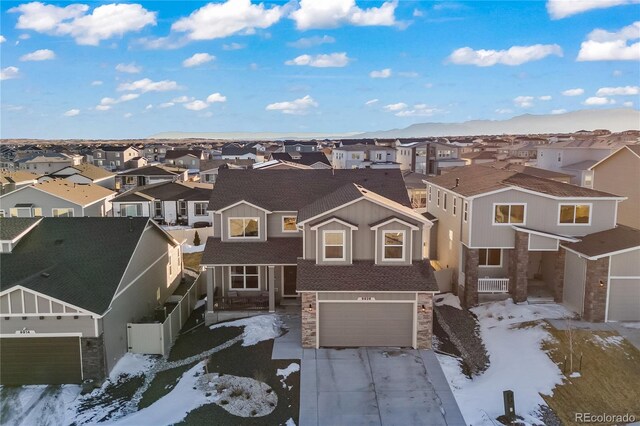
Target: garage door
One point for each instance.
(624, 300)
(366, 324)
(40, 360)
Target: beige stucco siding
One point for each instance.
(625, 264)
(245, 211)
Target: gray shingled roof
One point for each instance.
(345, 194)
(166, 191)
(605, 242)
(306, 158)
(290, 190)
(82, 271)
(11, 227)
(153, 171)
(365, 276)
(274, 251)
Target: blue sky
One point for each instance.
(127, 70)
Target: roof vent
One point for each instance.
(45, 274)
(58, 242)
(457, 182)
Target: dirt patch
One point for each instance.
(239, 396)
(192, 260)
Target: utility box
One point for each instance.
(509, 405)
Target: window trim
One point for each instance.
(454, 206)
(524, 216)
(491, 266)
(155, 208)
(288, 231)
(574, 214)
(438, 198)
(139, 209)
(344, 245)
(242, 238)
(244, 279)
(465, 211)
(62, 208)
(404, 245)
(429, 193)
(195, 208)
(444, 201)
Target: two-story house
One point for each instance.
(298, 146)
(83, 174)
(148, 175)
(502, 231)
(346, 244)
(156, 152)
(187, 158)
(209, 168)
(46, 162)
(427, 157)
(315, 160)
(361, 156)
(114, 157)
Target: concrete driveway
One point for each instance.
(375, 386)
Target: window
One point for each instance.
(117, 155)
(244, 277)
(182, 208)
(157, 208)
(62, 212)
(117, 162)
(200, 209)
(130, 210)
(289, 224)
(244, 227)
(438, 198)
(129, 180)
(490, 257)
(2, 214)
(355, 156)
(333, 245)
(455, 205)
(379, 156)
(465, 211)
(588, 181)
(444, 205)
(37, 212)
(508, 213)
(429, 195)
(393, 245)
(575, 214)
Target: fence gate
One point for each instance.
(145, 339)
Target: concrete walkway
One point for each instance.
(623, 329)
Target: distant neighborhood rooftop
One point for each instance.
(79, 194)
(154, 170)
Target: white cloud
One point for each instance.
(573, 92)
(616, 73)
(628, 104)
(219, 20)
(545, 98)
(618, 91)
(131, 68)
(166, 105)
(72, 113)
(417, 13)
(148, 107)
(523, 101)
(504, 111)
(597, 100)
(107, 103)
(105, 22)
(24, 36)
(334, 13)
(321, 61)
(307, 42)
(129, 97)
(182, 99)
(148, 85)
(216, 97)
(396, 107)
(515, 55)
(418, 110)
(128, 115)
(39, 55)
(96, 83)
(385, 73)
(559, 9)
(233, 46)
(602, 45)
(558, 111)
(296, 107)
(196, 105)
(197, 59)
(103, 107)
(371, 102)
(9, 73)
(2, 39)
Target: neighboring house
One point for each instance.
(346, 243)
(235, 151)
(619, 173)
(501, 231)
(156, 152)
(479, 157)
(187, 158)
(137, 162)
(414, 183)
(113, 157)
(364, 156)
(10, 181)
(575, 157)
(83, 174)
(299, 146)
(57, 198)
(148, 175)
(70, 286)
(279, 165)
(172, 203)
(209, 168)
(47, 162)
(315, 160)
(427, 158)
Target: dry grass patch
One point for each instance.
(192, 260)
(609, 380)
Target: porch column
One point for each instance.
(272, 288)
(558, 275)
(518, 264)
(210, 286)
(469, 297)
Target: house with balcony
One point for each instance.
(344, 245)
(502, 231)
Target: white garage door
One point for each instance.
(624, 300)
(366, 324)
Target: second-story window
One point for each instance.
(393, 245)
(429, 193)
(289, 224)
(200, 209)
(575, 214)
(333, 245)
(455, 205)
(157, 208)
(508, 213)
(465, 211)
(438, 198)
(444, 206)
(244, 227)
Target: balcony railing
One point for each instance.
(241, 303)
(493, 285)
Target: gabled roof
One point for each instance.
(635, 149)
(215, 164)
(87, 170)
(290, 190)
(621, 238)
(17, 176)
(57, 259)
(166, 191)
(528, 170)
(154, 170)
(177, 153)
(306, 158)
(12, 227)
(273, 251)
(115, 148)
(82, 195)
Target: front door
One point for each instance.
(289, 281)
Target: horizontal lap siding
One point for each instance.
(624, 300)
(626, 264)
(244, 210)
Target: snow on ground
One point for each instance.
(173, 407)
(448, 299)
(132, 365)
(608, 341)
(256, 329)
(517, 363)
(285, 372)
(630, 324)
(290, 422)
(39, 405)
(188, 248)
(200, 302)
(240, 396)
(175, 227)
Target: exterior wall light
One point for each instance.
(423, 309)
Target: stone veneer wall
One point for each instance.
(469, 295)
(93, 358)
(595, 291)
(425, 321)
(518, 264)
(557, 281)
(309, 320)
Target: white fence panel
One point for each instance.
(145, 338)
(493, 285)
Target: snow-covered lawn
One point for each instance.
(448, 299)
(517, 363)
(256, 329)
